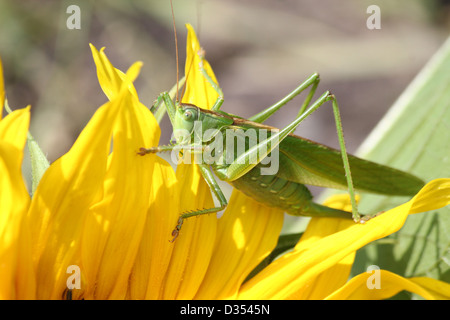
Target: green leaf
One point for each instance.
(414, 136)
(39, 162)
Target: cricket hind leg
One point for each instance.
(337, 117)
(312, 81)
(312, 209)
(340, 132)
(319, 102)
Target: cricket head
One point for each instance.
(192, 124)
(183, 125)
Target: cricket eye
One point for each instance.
(187, 115)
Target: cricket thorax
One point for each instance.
(238, 146)
(193, 125)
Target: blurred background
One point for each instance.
(260, 50)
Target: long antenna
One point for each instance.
(176, 46)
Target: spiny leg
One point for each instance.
(312, 81)
(170, 106)
(194, 149)
(156, 104)
(348, 175)
(316, 80)
(209, 178)
(340, 132)
(207, 175)
(144, 151)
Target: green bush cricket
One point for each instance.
(301, 161)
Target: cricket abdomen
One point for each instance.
(292, 197)
(273, 191)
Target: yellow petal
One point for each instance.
(115, 224)
(434, 195)
(110, 78)
(247, 233)
(198, 90)
(389, 285)
(318, 228)
(194, 246)
(61, 201)
(122, 211)
(12, 129)
(17, 279)
(148, 276)
(285, 276)
(332, 278)
(440, 290)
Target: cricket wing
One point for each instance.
(307, 162)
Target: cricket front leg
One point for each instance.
(143, 151)
(164, 102)
(179, 148)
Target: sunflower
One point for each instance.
(99, 223)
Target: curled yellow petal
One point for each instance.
(439, 289)
(362, 287)
(434, 195)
